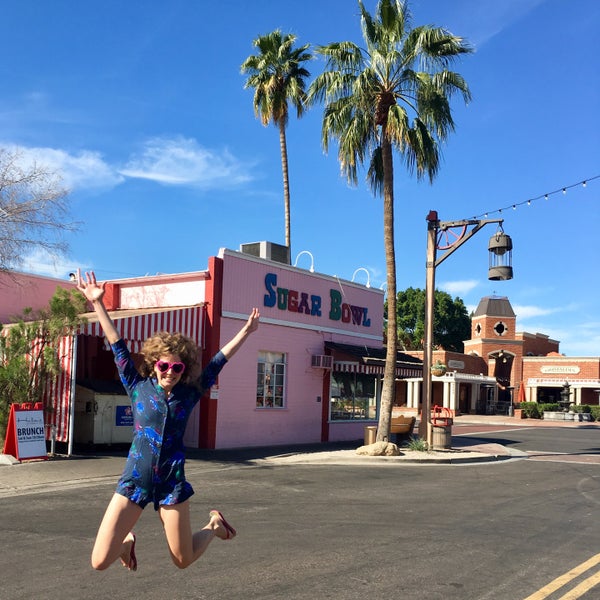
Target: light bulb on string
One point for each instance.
(546, 197)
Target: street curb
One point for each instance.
(324, 458)
(8, 459)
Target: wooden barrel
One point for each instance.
(441, 438)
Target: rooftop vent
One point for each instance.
(268, 251)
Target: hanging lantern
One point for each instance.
(500, 249)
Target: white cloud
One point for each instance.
(182, 161)
(576, 339)
(485, 20)
(459, 288)
(41, 262)
(176, 161)
(577, 335)
(524, 311)
(85, 170)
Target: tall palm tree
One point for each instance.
(278, 77)
(392, 95)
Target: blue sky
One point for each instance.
(140, 106)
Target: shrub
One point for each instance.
(416, 443)
(531, 410)
(549, 407)
(595, 411)
(581, 408)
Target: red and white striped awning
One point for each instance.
(135, 326)
(356, 367)
(58, 392)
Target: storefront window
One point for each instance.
(270, 381)
(353, 397)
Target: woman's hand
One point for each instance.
(253, 320)
(88, 286)
(251, 325)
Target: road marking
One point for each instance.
(585, 586)
(569, 576)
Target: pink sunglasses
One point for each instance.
(163, 366)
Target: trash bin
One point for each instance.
(441, 438)
(370, 434)
(441, 432)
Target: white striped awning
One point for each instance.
(356, 367)
(135, 326)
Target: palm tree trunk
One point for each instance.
(388, 393)
(286, 184)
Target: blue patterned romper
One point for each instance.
(154, 471)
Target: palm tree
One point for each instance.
(277, 76)
(392, 95)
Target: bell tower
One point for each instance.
(493, 337)
(493, 319)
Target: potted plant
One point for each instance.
(438, 368)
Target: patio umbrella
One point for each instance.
(521, 397)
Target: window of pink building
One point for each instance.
(270, 388)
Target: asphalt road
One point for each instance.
(497, 531)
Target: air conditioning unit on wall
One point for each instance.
(322, 361)
(268, 250)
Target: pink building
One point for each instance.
(22, 290)
(311, 373)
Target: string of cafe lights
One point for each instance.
(562, 190)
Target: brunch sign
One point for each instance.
(312, 304)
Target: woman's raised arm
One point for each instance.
(94, 292)
(251, 325)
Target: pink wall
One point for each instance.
(239, 422)
(296, 334)
(21, 290)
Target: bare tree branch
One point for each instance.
(33, 209)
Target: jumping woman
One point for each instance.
(162, 396)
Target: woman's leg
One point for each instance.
(114, 539)
(186, 547)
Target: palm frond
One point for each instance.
(375, 172)
(421, 154)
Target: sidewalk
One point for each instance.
(88, 470)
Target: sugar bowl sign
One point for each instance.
(312, 304)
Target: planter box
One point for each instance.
(555, 416)
(519, 414)
(582, 417)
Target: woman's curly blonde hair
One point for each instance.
(163, 343)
